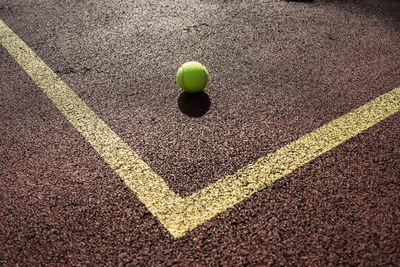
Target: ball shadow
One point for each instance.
(194, 105)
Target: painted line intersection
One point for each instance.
(181, 215)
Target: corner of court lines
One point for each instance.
(187, 214)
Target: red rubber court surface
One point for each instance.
(279, 72)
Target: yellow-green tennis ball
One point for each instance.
(192, 77)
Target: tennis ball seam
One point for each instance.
(205, 75)
(183, 79)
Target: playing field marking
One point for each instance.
(180, 215)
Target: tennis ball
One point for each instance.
(192, 77)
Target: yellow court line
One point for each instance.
(180, 215)
(147, 185)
